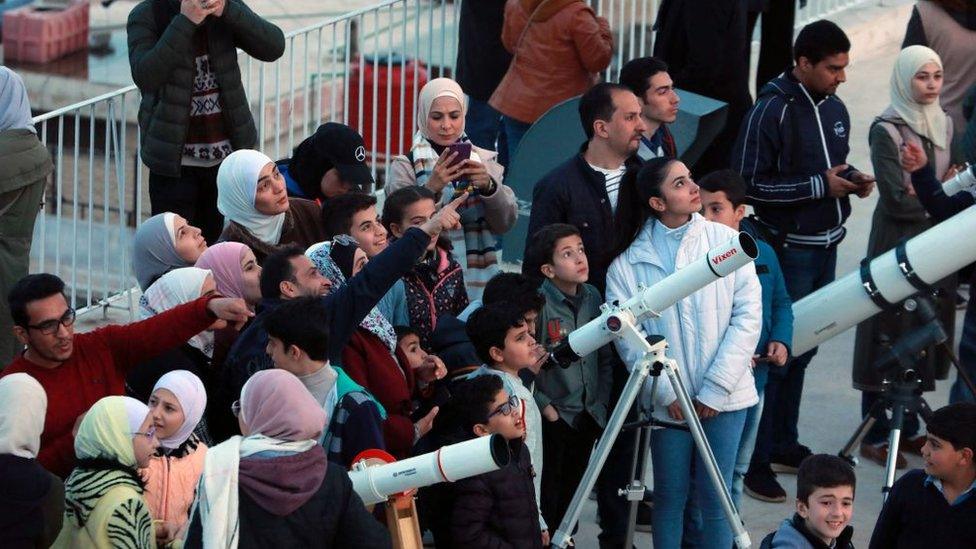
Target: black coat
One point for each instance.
(482, 59)
(575, 193)
(497, 510)
(334, 517)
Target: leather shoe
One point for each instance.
(879, 455)
(912, 445)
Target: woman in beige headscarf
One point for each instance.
(31, 498)
(915, 116)
(490, 209)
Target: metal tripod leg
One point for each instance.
(636, 489)
(847, 452)
(894, 438)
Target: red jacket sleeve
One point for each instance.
(58, 455)
(593, 40)
(135, 343)
(397, 428)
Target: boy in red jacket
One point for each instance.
(77, 371)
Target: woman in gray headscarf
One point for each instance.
(162, 243)
(24, 166)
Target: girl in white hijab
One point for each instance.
(31, 499)
(490, 209)
(915, 116)
(252, 196)
(177, 405)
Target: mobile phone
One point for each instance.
(463, 151)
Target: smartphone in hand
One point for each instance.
(463, 151)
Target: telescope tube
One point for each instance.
(929, 257)
(963, 181)
(720, 261)
(448, 464)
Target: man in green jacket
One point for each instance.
(25, 165)
(194, 112)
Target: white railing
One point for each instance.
(98, 193)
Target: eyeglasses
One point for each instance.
(148, 434)
(507, 408)
(345, 240)
(51, 327)
(235, 408)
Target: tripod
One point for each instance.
(654, 360)
(901, 390)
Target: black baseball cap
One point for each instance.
(333, 145)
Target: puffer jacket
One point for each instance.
(435, 286)
(162, 62)
(171, 481)
(556, 55)
(712, 333)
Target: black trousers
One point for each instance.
(565, 453)
(192, 195)
(613, 509)
(776, 40)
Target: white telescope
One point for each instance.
(720, 261)
(449, 464)
(963, 181)
(910, 267)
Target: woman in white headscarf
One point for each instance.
(31, 498)
(25, 165)
(104, 504)
(174, 288)
(915, 116)
(273, 487)
(252, 197)
(176, 406)
(490, 209)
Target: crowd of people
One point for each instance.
(288, 322)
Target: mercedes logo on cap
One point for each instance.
(361, 153)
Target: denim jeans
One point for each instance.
(749, 432)
(514, 131)
(672, 454)
(805, 271)
(483, 126)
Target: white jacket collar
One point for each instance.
(642, 250)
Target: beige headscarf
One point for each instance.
(21, 415)
(438, 87)
(925, 120)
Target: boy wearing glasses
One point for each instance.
(496, 509)
(502, 339)
(574, 400)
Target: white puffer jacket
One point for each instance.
(711, 334)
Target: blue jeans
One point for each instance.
(483, 126)
(805, 271)
(749, 432)
(672, 453)
(967, 352)
(514, 131)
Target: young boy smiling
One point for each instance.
(824, 505)
(935, 506)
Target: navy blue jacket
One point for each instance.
(787, 141)
(347, 307)
(575, 193)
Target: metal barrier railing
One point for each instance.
(363, 68)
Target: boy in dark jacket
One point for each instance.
(194, 112)
(495, 510)
(792, 152)
(935, 507)
(574, 400)
(824, 505)
(724, 201)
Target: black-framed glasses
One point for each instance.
(507, 408)
(148, 434)
(235, 408)
(51, 327)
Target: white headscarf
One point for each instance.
(23, 405)
(15, 112)
(237, 187)
(189, 391)
(925, 120)
(136, 412)
(438, 87)
(175, 288)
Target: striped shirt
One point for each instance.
(612, 180)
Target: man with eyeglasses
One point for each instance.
(77, 370)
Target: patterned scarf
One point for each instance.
(374, 322)
(474, 240)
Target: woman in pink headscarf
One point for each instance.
(273, 487)
(235, 270)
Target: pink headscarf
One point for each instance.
(274, 403)
(224, 261)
